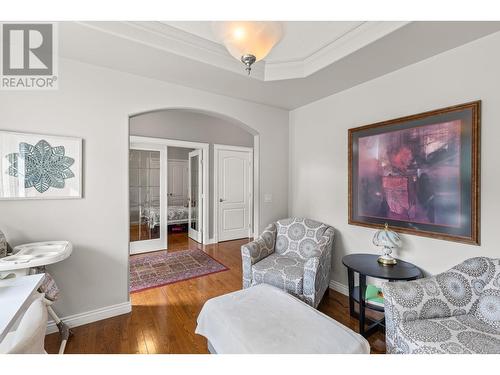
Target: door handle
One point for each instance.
(221, 200)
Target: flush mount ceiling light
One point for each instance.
(248, 41)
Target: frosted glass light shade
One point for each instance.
(255, 38)
(387, 238)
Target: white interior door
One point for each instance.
(147, 191)
(234, 194)
(195, 195)
(177, 182)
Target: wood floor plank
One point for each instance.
(163, 319)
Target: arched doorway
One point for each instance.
(194, 129)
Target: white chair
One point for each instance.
(29, 336)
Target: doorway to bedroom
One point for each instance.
(191, 186)
(167, 185)
(184, 195)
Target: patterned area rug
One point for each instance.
(162, 268)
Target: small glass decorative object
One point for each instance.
(3, 245)
(389, 240)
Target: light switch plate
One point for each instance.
(268, 198)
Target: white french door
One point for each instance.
(147, 193)
(195, 195)
(234, 192)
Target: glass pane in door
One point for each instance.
(144, 188)
(194, 192)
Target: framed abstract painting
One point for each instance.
(34, 166)
(419, 174)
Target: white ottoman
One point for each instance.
(265, 320)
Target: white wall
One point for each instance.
(318, 148)
(195, 127)
(191, 126)
(95, 103)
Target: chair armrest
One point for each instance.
(417, 299)
(317, 268)
(450, 293)
(409, 300)
(257, 250)
(260, 247)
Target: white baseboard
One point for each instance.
(210, 241)
(92, 316)
(339, 287)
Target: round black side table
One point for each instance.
(366, 265)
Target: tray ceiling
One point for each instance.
(160, 51)
(300, 38)
(305, 48)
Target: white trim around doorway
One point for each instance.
(206, 162)
(256, 185)
(253, 188)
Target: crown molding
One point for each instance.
(355, 39)
(167, 38)
(198, 48)
(162, 36)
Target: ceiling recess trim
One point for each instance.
(355, 39)
(170, 39)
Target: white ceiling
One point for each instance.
(305, 48)
(300, 38)
(160, 51)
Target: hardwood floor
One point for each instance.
(163, 319)
(143, 232)
(181, 241)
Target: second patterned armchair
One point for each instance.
(457, 311)
(292, 254)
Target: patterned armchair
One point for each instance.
(292, 254)
(457, 311)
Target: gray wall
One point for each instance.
(196, 127)
(318, 148)
(95, 103)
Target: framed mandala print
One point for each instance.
(419, 174)
(34, 166)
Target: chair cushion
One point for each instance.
(299, 236)
(459, 334)
(284, 272)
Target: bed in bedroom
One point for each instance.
(175, 215)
